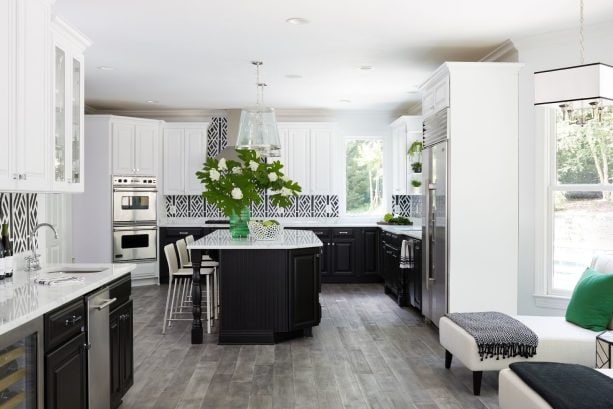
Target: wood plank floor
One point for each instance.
(367, 353)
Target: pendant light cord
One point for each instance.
(581, 35)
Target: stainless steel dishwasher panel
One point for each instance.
(99, 356)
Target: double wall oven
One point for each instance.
(134, 219)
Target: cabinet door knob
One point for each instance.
(15, 176)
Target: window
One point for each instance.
(364, 176)
(580, 196)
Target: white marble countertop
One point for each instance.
(411, 231)
(290, 239)
(22, 300)
(290, 222)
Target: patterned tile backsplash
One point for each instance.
(302, 206)
(217, 138)
(20, 211)
(407, 205)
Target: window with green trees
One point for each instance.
(364, 176)
(581, 194)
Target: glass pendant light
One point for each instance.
(257, 129)
(581, 92)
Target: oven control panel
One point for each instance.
(134, 181)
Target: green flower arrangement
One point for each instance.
(233, 185)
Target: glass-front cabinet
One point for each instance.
(68, 110)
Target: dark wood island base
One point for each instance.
(266, 295)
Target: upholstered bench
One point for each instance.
(559, 340)
(514, 393)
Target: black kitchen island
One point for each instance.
(269, 290)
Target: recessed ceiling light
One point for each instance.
(293, 76)
(298, 21)
(106, 68)
(367, 67)
(346, 101)
(152, 101)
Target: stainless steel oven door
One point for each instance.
(134, 206)
(134, 243)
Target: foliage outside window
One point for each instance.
(581, 197)
(364, 176)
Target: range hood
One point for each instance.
(233, 117)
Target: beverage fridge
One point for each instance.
(21, 366)
(435, 230)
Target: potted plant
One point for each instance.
(416, 186)
(233, 185)
(414, 154)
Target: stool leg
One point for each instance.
(172, 301)
(214, 300)
(208, 303)
(166, 308)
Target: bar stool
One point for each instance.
(180, 282)
(207, 261)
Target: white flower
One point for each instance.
(214, 175)
(237, 170)
(272, 176)
(284, 178)
(257, 154)
(285, 191)
(222, 164)
(237, 194)
(254, 165)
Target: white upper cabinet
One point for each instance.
(321, 161)
(435, 95)
(36, 100)
(146, 150)
(405, 130)
(184, 155)
(68, 108)
(306, 153)
(135, 147)
(7, 93)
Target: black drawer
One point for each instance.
(343, 233)
(64, 323)
(177, 233)
(121, 289)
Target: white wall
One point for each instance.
(541, 52)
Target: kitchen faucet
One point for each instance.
(33, 261)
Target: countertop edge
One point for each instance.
(118, 272)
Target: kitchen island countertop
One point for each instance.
(289, 239)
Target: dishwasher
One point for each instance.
(99, 356)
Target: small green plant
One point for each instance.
(416, 166)
(415, 150)
(415, 183)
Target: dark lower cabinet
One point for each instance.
(122, 352)
(343, 258)
(305, 310)
(403, 284)
(369, 252)
(66, 375)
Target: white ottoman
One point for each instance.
(559, 341)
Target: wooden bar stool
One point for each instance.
(179, 286)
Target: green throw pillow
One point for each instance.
(591, 304)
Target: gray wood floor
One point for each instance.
(367, 353)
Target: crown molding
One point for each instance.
(497, 54)
(169, 115)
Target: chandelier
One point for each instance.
(257, 129)
(581, 92)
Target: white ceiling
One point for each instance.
(196, 54)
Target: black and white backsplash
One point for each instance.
(301, 206)
(407, 205)
(216, 138)
(20, 211)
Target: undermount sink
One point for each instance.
(75, 270)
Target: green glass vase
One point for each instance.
(238, 223)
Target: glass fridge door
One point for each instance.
(20, 367)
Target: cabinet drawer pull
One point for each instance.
(72, 321)
(343, 232)
(318, 232)
(183, 232)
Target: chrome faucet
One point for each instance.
(33, 261)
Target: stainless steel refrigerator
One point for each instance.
(435, 216)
